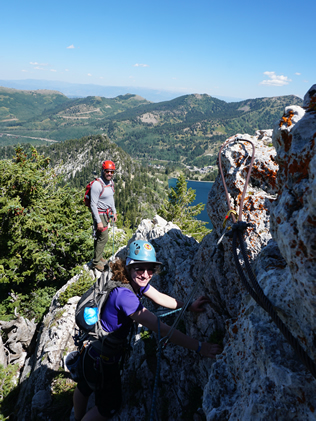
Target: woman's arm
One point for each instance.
(165, 300)
(161, 299)
(149, 320)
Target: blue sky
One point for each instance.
(242, 49)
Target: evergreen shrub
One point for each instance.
(44, 233)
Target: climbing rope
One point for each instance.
(160, 314)
(254, 289)
(232, 212)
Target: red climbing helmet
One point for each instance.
(108, 165)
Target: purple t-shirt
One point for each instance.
(119, 306)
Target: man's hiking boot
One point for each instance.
(103, 261)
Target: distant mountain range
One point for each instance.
(76, 90)
(187, 129)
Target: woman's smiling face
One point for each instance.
(141, 274)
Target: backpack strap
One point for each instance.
(103, 186)
(107, 342)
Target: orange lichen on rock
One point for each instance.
(287, 120)
(303, 248)
(312, 104)
(302, 339)
(303, 399)
(311, 220)
(263, 173)
(300, 168)
(287, 140)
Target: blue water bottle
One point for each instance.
(90, 315)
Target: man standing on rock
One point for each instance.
(103, 210)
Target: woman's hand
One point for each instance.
(210, 350)
(197, 305)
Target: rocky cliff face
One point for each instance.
(258, 376)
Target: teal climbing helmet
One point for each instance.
(141, 251)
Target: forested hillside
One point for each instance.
(17, 106)
(191, 128)
(187, 129)
(139, 188)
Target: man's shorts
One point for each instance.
(107, 384)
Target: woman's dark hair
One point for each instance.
(119, 270)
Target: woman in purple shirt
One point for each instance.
(121, 310)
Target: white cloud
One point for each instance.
(66, 70)
(71, 46)
(89, 74)
(275, 80)
(298, 74)
(24, 70)
(53, 70)
(38, 68)
(101, 77)
(141, 65)
(35, 63)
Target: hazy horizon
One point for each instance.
(83, 90)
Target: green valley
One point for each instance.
(187, 129)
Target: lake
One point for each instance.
(201, 190)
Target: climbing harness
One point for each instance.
(254, 288)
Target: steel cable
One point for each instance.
(266, 304)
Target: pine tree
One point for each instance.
(45, 231)
(177, 209)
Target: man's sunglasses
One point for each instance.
(109, 171)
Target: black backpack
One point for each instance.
(93, 302)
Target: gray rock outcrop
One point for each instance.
(19, 334)
(259, 376)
